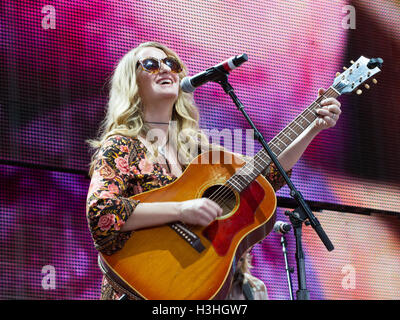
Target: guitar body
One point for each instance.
(157, 263)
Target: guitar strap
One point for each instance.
(114, 284)
(247, 291)
(240, 280)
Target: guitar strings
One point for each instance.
(221, 193)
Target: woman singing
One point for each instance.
(145, 98)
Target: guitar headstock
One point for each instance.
(359, 72)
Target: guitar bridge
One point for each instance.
(188, 236)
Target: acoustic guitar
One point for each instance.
(176, 261)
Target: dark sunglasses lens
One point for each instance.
(173, 64)
(151, 64)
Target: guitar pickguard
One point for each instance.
(221, 232)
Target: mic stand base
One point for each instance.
(297, 217)
(303, 294)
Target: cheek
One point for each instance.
(144, 83)
(178, 81)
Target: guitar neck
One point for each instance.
(261, 161)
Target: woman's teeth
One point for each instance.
(167, 81)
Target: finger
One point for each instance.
(212, 211)
(329, 121)
(329, 101)
(208, 216)
(206, 213)
(214, 205)
(203, 221)
(321, 91)
(321, 122)
(198, 217)
(335, 109)
(323, 112)
(329, 112)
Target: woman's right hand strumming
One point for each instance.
(194, 212)
(199, 211)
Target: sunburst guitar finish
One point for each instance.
(163, 263)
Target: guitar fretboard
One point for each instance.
(261, 161)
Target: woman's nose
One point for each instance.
(164, 67)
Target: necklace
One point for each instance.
(153, 122)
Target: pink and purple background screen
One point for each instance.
(53, 95)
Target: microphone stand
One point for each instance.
(289, 270)
(297, 217)
(294, 193)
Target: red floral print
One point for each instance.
(122, 165)
(145, 166)
(105, 222)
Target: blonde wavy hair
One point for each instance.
(125, 110)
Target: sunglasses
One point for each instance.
(153, 65)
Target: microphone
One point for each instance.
(189, 84)
(282, 227)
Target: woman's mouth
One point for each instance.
(165, 81)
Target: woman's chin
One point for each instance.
(168, 93)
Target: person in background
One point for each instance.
(245, 286)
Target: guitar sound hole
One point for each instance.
(222, 195)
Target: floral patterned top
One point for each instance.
(123, 169)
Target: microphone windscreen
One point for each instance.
(186, 85)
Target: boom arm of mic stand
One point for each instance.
(223, 81)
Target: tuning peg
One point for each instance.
(374, 81)
(359, 91)
(367, 86)
(337, 74)
(352, 61)
(344, 68)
